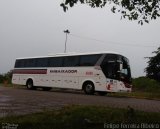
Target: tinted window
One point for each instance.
(41, 62)
(29, 63)
(109, 66)
(110, 58)
(89, 60)
(71, 61)
(19, 64)
(55, 62)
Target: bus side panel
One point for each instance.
(19, 79)
(64, 77)
(70, 82)
(95, 76)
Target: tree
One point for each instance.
(153, 68)
(6, 77)
(141, 10)
(1, 78)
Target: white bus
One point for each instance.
(100, 72)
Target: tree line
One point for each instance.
(153, 68)
(6, 78)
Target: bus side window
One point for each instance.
(89, 60)
(71, 61)
(30, 63)
(20, 63)
(41, 62)
(55, 62)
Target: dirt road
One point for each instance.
(23, 101)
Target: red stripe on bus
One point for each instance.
(30, 71)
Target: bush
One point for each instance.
(6, 77)
(1, 78)
(146, 84)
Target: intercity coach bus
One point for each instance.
(100, 72)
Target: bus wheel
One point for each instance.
(30, 84)
(89, 88)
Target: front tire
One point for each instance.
(89, 88)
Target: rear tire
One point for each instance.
(89, 88)
(30, 84)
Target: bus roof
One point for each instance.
(71, 54)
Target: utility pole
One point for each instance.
(67, 32)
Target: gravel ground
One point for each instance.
(19, 101)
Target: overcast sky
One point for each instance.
(35, 28)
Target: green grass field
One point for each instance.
(137, 94)
(82, 117)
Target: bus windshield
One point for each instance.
(116, 67)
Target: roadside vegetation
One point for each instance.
(83, 117)
(146, 85)
(6, 78)
(143, 87)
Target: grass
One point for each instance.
(146, 85)
(137, 94)
(81, 117)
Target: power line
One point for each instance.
(111, 42)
